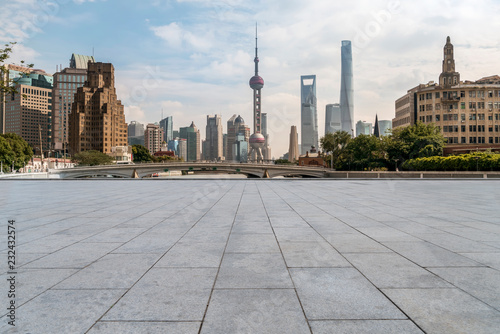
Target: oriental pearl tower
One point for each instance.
(257, 140)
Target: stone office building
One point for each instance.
(467, 112)
(97, 119)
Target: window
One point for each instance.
(463, 128)
(462, 105)
(437, 95)
(462, 93)
(438, 106)
(472, 93)
(472, 105)
(438, 118)
(462, 117)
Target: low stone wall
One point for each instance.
(411, 175)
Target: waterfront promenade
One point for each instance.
(252, 256)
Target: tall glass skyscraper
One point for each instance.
(346, 89)
(332, 118)
(308, 113)
(167, 125)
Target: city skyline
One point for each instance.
(192, 58)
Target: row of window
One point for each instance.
(455, 94)
(454, 117)
(451, 106)
(473, 140)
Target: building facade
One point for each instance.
(346, 88)
(28, 113)
(333, 121)
(97, 120)
(308, 112)
(213, 139)
(384, 126)
(153, 138)
(467, 112)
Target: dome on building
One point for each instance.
(239, 119)
(256, 82)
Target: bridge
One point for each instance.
(145, 169)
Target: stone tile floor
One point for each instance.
(253, 256)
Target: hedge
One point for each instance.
(485, 161)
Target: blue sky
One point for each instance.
(195, 57)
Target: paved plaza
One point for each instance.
(252, 256)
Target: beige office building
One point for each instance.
(467, 112)
(97, 119)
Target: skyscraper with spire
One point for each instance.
(257, 140)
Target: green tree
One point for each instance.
(6, 85)
(336, 143)
(92, 158)
(141, 154)
(15, 149)
(365, 152)
(416, 141)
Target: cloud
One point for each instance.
(179, 38)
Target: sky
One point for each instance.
(193, 58)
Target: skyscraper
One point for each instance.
(168, 128)
(192, 136)
(346, 88)
(214, 138)
(257, 140)
(308, 113)
(97, 120)
(293, 149)
(231, 136)
(333, 121)
(66, 82)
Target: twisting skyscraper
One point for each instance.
(308, 113)
(346, 89)
(257, 140)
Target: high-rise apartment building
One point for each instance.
(192, 136)
(346, 88)
(467, 112)
(168, 128)
(66, 82)
(293, 149)
(308, 113)
(333, 121)
(153, 138)
(28, 112)
(97, 120)
(214, 138)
